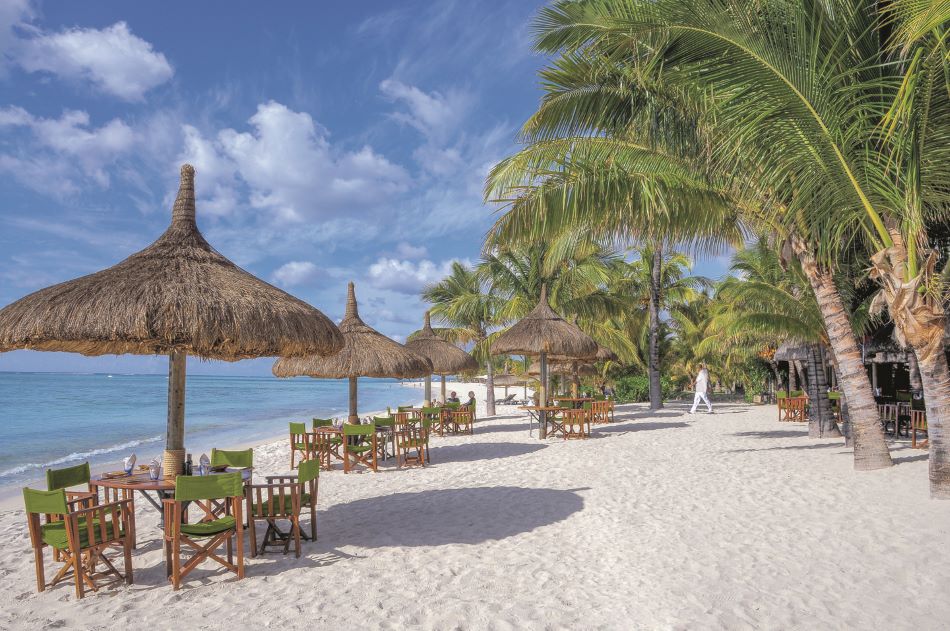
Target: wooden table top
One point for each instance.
(142, 481)
(541, 408)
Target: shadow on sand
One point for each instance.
(446, 516)
(471, 452)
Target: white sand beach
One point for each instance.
(659, 521)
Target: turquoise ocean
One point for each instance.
(53, 419)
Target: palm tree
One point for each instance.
(462, 300)
(629, 152)
(839, 113)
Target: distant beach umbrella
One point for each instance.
(177, 297)
(541, 333)
(446, 358)
(366, 353)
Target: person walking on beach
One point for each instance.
(702, 386)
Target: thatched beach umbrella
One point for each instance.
(177, 297)
(541, 333)
(447, 359)
(366, 353)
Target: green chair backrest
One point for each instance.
(834, 396)
(189, 488)
(566, 405)
(903, 396)
(384, 421)
(65, 478)
(298, 428)
(308, 470)
(403, 408)
(242, 459)
(322, 422)
(358, 430)
(49, 502)
(453, 406)
(587, 405)
(797, 393)
(781, 394)
(433, 411)
(600, 397)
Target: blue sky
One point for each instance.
(332, 142)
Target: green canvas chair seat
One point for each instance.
(208, 528)
(54, 534)
(360, 443)
(359, 449)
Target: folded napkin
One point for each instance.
(203, 460)
(129, 462)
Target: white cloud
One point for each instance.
(408, 277)
(72, 136)
(408, 251)
(292, 169)
(434, 114)
(295, 273)
(12, 14)
(113, 59)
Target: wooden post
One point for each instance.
(543, 396)
(443, 389)
(874, 376)
(354, 417)
(175, 438)
(428, 390)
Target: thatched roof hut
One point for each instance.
(366, 353)
(446, 358)
(544, 331)
(178, 296)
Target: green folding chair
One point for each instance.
(359, 443)
(390, 435)
(80, 536)
(300, 442)
(284, 497)
(215, 530)
(243, 459)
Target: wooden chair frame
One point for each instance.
(600, 412)
(175, 514)
(411, 436)
(274, 495)
(461, 421)
(367, 458)
(297, 439)
(96, 520)
(918, 423)
(575, 424)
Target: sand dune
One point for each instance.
(660, 521)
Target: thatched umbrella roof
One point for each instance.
(605, 354)
(366, 353)
(544, 331)
(446, 358)
(563, 368)
(178, 294)
(506, 379)
(178, 297)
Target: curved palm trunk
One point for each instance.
(656, 394)
(821, 422)
(870, 448)
(913, 371)
(792, 376)
(920, 320)
(490, 386)
(778, 376)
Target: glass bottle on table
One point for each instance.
(188, 465)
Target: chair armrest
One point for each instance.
(102, 509)
(78, 500)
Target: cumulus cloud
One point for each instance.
(113, 59)
(295, 273)
(70, 136)
(408, 251)
(434, 114)
(291, 168)
(407, 277)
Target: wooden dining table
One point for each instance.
(543, 414)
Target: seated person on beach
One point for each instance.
(453, 398)
(471, 400)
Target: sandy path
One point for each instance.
(660, 521)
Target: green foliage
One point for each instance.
(753, 375)
(636, 388)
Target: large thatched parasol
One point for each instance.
(541, 333)
(177, 297)
(447, 359)
(366, 353)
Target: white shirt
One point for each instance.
(702, 381)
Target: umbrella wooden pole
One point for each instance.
(543, 397)
(443, 389)
(174, 456)
(428, 390)
(354, 417)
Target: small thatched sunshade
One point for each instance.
(446, 358)
(177, 297)
(504, 380)
(544, 331)
(366, 353)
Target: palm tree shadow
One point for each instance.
(471, 452)
(447, 516)
(777, 433)
(617, 428)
